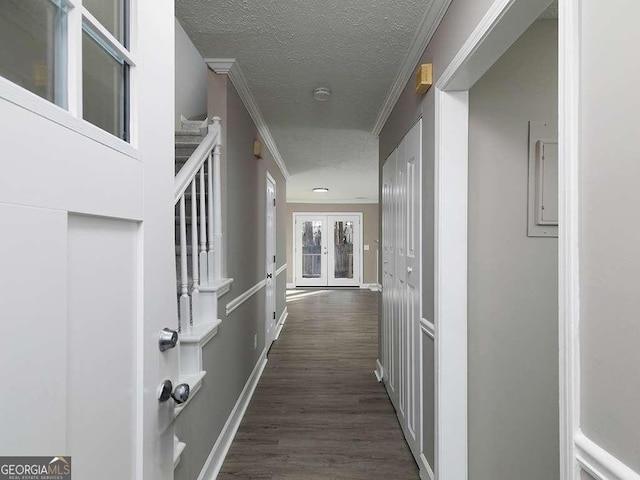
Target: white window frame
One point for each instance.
(71, 117)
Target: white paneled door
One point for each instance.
(328, 249)
(401, 292)
(270, 325)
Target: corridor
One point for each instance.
(318, 411)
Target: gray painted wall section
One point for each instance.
(512, 278)
(609, 229)
(191, 78)
(230, 357)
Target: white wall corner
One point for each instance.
(231, 67)
(291, 285)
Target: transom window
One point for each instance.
(74, 53)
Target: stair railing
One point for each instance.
(199, 175)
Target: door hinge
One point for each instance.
(274, 315)
(274, 202)
(274, 259)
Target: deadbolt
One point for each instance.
(167, 339)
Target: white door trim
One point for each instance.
(504, 22)
(361, 235)
(270, 266)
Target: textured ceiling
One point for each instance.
(286, 49)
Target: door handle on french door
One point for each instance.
(167, 339)
(179, 395)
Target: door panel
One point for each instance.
(344, 250)
(401, 297)
(311, 250)
(100, 250)
(270, 325)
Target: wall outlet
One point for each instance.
(255, 341)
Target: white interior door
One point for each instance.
(345, 243)
(270, 323)
(401, 291)
(88, 275)
(311, 250)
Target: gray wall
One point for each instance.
(191, 78)
(370, 231)
(512, 278)
(609, 229)
(230, 357)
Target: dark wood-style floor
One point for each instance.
(318, 411)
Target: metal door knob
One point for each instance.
(167, 339)
(179, 395)
(409, 269)
(269, 275)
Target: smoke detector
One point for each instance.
(321, 94)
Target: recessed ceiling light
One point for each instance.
(321, 189)
(321, 94)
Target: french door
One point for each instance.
(328, 249)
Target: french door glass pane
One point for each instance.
(112, 15)
(104, 88)
(33, 51)
(311, 249)
(343, 247)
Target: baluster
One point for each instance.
(217, 215)
(184, 273)
(195, 289)
(210, 255)
(203, 228)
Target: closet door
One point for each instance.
(389, 279)
(401, 280)
(412, 285)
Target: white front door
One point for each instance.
(270, 325)
(328, 249)
(88, 278)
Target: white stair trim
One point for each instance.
(281, 269)
(216, 458)
(201, 334)
(221, 287)
(178, 448)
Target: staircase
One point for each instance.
(198, 240)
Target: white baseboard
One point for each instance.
(283, 318)
(216, 458)
(379, 371)
(374, 287)
(599, 463)
(426, 472)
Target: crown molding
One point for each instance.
(231, 68)
(426, 29)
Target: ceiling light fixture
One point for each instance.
(321, 189)
(321, 94)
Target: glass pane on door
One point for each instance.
(343, 248)
(311, 249)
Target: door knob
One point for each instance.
(167, 339)
(409, 269)
(179, 395)
(269, 275)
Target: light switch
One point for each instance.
(366, 247)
